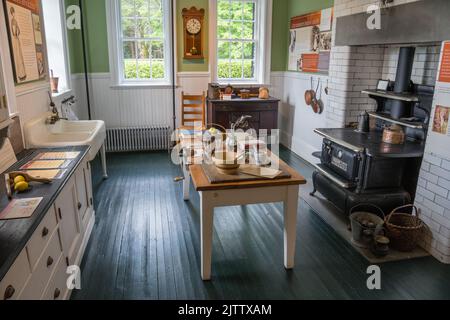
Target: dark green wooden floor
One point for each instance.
(145, 245)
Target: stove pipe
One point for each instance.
(401, 109)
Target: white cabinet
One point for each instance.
(69, 226)
(39, 272)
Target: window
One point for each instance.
(141, 52)
(240, 44)
(55, 37)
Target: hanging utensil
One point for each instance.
(315, 102)
(309, 94)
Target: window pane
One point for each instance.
(223, 9)
(130, 71)
(249, 11)
(155, 5)
(155, 29)
(236, 70)
(223, 30)
(157, 50)
(144, 69)
(128, 27)
(236, 10)
(223, 49)
(223, 69)
(144, 48)
(236, 30)
(249, 50)
(142, 27)
(249, 66)
(127, 8)
(158, 69)
(247, 30)
(142, 8)
(236, 50)
(129, 50)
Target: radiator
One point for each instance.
(138, 139)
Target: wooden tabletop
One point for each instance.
(202, 183)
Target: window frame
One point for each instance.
(263, 36)
(115, 44)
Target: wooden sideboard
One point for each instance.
(264, 113)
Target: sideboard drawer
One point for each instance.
(44, 269)
(41, 237)
(14, 281)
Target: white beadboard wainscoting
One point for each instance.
(297, 120)
(122, 107)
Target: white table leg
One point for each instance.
(186, 183)
(103, 156)
(206, 231)
(290, 225)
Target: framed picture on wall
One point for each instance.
(23, 19)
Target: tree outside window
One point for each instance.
(236, 39)
(142, 35)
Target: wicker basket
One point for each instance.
(404, 229)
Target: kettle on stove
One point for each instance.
(364, 123)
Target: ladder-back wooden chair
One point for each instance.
(193, 111)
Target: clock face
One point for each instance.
(193, 26)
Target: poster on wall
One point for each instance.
(310, 41)
(25, 38)
(439, 133)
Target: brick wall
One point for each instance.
(433, 201)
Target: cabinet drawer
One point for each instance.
(41, 237)
(44, 269)
(14, 281)
(57, 287)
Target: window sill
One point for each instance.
(124, 86)
(61, 93)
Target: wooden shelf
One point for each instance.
(404, 123)
(407, 97)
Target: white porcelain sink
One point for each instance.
(39, 134)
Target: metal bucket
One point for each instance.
(362, 221)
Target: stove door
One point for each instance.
(340, 160)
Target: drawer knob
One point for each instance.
(44, 232)
(57, 293)
(79, 206)
(9, 292)
(49, 261)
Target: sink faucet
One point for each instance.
(55, 115)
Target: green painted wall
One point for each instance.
(192, 65)
(299, 7)
(279, 34)
(96, 39)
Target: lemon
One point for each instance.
(21, 186)
(19, 179)
(213, 130)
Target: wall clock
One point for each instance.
(193, 32)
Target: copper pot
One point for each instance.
(393, 135)
(309, 97)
